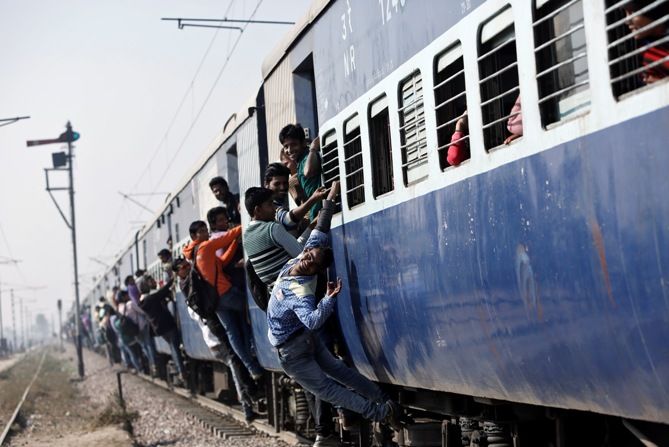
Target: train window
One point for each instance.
(330, 161)
(412, 129)
(562, 66)
(498, 71)
(450, 104)
(355, 180)
(638, 43)
(381, 148)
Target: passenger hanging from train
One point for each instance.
(294, 188)
(144, 337)
(165, 257)
(219, 186)
(232, 260)
(277, 179)
(125, 334)
(217, 341)
(294, 314)
(306, 157)
(230, 307)
(108, 335)
(656, 55)
(161, 320)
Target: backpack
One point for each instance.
(258, 288)
(202, 297)
(128, 327)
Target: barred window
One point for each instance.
(562, 65)
(450, 98)
(498, 71)
(330, 162)
(381, 148)
(355, 180)
(412, 129)
(638, 43)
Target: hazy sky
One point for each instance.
(119, 74)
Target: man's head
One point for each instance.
(198, 231)
(259, 204)
(165, 255)
(146, 283)
(129, 280)
(314, 260)
(181, 267)
(293, 140)
(219, 187)
(646, 18)
(276, 179)
(217, 218)
(139, 273)
(122, 296)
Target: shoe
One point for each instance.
(326, 441)
(249, 414)
(395, 416)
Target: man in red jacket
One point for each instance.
(230, 310)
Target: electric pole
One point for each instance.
(11, 294)
(69, 136)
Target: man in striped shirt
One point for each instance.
(267, 242)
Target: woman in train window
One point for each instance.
(656, 57)
(458, 151)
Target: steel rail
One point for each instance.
(12, 419)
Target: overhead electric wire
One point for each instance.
(206, 101)
(169, 128)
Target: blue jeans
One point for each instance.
(224, 352)
(172, 339)
(129, 356)
(146, 342)
(230, 312)
(306, 359)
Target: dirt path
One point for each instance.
(57, 412)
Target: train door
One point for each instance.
(232, 169)
(304, 85)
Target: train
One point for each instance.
(520, 297)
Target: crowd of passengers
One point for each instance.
(287, 259)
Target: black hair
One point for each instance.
(196, 226)
(218, 181)
(139, 272)
(164, 252)
(276, 170)
(255, 197)
(328, 257)
(655, 13)
(177, 262)
(213, 213)
(294, 131)
(127, 279)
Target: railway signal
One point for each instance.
(59, 160)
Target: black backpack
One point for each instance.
(202, 297)
(258, 288)
(128, 327)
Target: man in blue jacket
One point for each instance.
(293, 313)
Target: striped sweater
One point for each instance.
(269, 246)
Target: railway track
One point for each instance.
(223, 421)
(17, 410)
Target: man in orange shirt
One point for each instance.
(231, 302)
